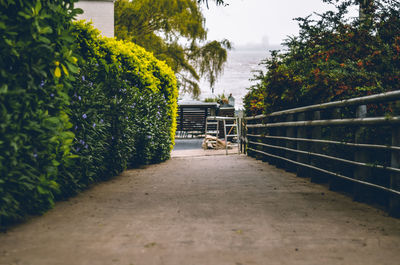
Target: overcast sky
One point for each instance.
(266, 22)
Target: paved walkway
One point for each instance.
(206, 210)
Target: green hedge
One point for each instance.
(35, 44)
(123, 108)
(75, 108)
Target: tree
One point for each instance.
(334, 57)
(365, 5)
(175, 32)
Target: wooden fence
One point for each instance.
(353, 144)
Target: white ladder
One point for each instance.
(212, 126)
(233, 127)
(230, 129)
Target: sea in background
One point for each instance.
(236, 77)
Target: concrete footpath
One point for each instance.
(206, 210)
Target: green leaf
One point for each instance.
(24, 15)
(65, 70)
(72, 68)
(51, 123)
(4, 89)
(38, 6)
(44, 40)
(41, 190)
(46, 30)
(67, 38)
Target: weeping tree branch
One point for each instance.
(210, 59)
(175, 32)
(187, 85)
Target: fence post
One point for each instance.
(280, 131)
(360, 192)
(290, 132)
(273, 131)
(262, 131)
(303, 146)
(244, 135)
(335, 183)
(248, 131)
(258, 131)
(316, 133)
(394, 201)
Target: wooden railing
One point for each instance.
(353, 144)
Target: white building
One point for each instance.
(100, 12)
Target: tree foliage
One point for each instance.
(175, 32)
(334, 57)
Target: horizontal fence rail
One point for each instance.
(383, 97)
(329, 172)
(373, 146)
(336, 122)
(329, 157)
(352, 144)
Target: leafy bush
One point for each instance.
(254, 102)
(333, 58)
(75, 107)
(136, 98)
(123, 108)
(34, 138)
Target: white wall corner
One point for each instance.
(100, 12)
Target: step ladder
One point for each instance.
(230, 125)
(212, 126)
(233, 128)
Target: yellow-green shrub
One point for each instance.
(123, 108)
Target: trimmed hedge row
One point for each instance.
(75, 108)
(35, 43)
(122, 108)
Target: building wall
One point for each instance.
(100, 12)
